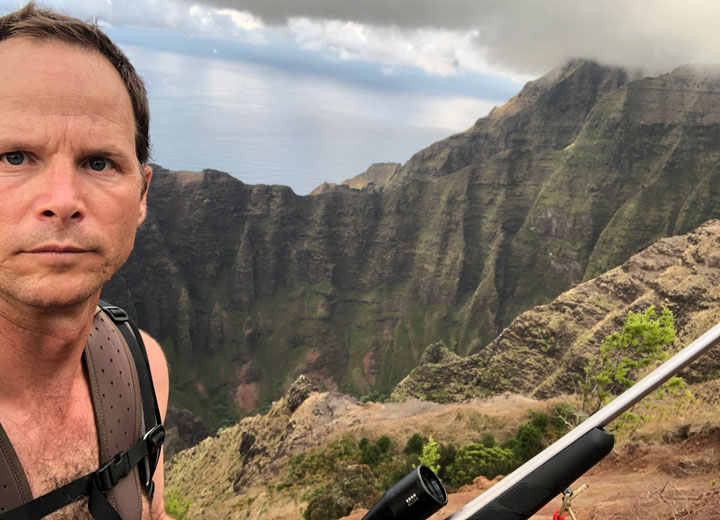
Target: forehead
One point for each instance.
(52, 78)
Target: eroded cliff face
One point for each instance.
(544, 350)
(248, 286)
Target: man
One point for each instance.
(73, 187)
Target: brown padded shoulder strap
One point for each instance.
(14, 487)
(118, 414)
(118, 407)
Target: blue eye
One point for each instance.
(98, 163)
(15, 158)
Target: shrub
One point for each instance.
(374, 396)
(176, 505)
(316, 463)
(384, 443)
(487, 440)
(539, 420)
(370, 455)
(475, 459)
(415, 444)
(448, 452)
(353, 486)
(622, 354)
(528, 442)
(563, 418)
(325, 507)
(431, 455)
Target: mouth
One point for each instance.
(53, 249)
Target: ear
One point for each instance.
(147, 174)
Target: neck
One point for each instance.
(41, 348)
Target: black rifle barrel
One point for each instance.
(472, 510)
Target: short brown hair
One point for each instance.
(44, 24)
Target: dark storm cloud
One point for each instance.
(532, 36)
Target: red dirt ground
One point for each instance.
(639, 482)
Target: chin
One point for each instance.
(59, 294)
(67, 299)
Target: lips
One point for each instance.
(58, 249)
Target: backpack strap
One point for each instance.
(94, 485)
(150, 409)
(126, 410)
(115, 393)
(14, 487)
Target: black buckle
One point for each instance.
(117, 313)
(154, 439)
(112, 471)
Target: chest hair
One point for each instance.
(56, 450)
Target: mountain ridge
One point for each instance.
(544, 351)
(247, 468)
(247, 286)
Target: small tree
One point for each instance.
(529, 442)
(431, 455)
(384, 443)
(641, 343)
(414, 444)
(370, 455)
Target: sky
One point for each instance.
(306, 91)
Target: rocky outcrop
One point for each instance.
(543, 352)
(583, 168)
(257, 449)
(183, 430)
(374, 178)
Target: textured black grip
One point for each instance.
(534, 491)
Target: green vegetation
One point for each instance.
(375, 396)
(468, 234)
(641, 343)
(176, 505)
(475, 460)
(414, 444)
(431, 455)
(379, 464)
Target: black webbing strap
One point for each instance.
(94, 485)
(151, 413)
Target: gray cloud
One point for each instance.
(455, 14)
(532, 36)
(517, 38)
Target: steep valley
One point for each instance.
(247, 287)
(664, 464)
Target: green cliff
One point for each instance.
(545, 350)
(248, 286)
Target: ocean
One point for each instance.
(265, 124)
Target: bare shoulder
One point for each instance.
(154, 350)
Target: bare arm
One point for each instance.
(159, 369)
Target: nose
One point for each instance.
(62, 197)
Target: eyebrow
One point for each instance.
(104, 152)
(21, 146)
(15, 146)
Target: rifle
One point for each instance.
(524, 491)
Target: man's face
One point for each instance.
(70, 187)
